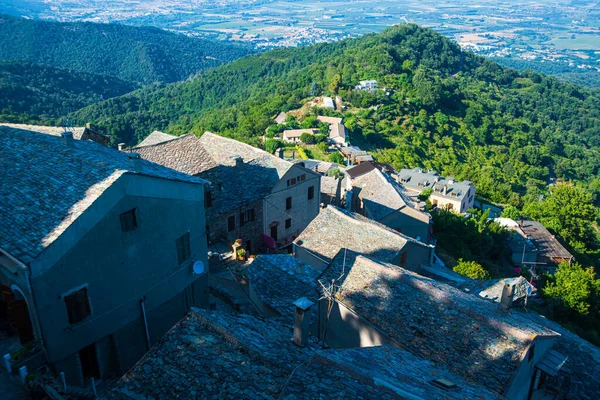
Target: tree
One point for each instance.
(568, 211)
(511, 212)
(471, 269)
(575, 287)
(309, 122)
(334, 86)
(424, 195)
(335, 173)
(336, 157)
(307, 138)
(271, 145)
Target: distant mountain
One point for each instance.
(136, 54)
(34, 93)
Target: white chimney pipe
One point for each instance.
(121, 146)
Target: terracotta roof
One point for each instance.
(156, 137)
(335, 229)
(462, 333)
(47, 185)
(184, 154)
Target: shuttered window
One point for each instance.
(183, 248)
(78, 306)
(311, 192)
(247, 216)
(288, 203)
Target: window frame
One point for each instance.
(88, 305)
(186, 245)
(126, 225)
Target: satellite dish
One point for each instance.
(198, 268)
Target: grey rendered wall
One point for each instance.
(303, 211)
(518, 387)
(118, 269)
(308, 258)
(410, 222)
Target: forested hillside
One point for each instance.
(34, 93)
(511, 133)
(137, 54)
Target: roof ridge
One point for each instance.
(175, 137)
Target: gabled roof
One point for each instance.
(464, 334)
(380, 372)
(296, 133)
(337, 131)
(280, 118)
(184, 154)
(48, 130)
(418, 180)
(548, 246)
(47, 185)
(381, 195)
(329, 120)
(156, 137)
(366, 167)
(212, 354)
(330, 185)
(335, 229)
(224, 151)
(280, 279)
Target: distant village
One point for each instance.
(202, 267)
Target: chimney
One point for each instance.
(279, 152)
(445, 190)
(521, 223)
(239, 161)
(506, 300)
(67, 138)
(121, 146)
(89, 126)
(134, 161)
(302, 321)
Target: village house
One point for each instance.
(335, 229)
(293, 135)
(355, 155)
(533, 245)
(86, 132)
(374, 303)
(255, 196)
(328, 103)
(367, 85)
(378, 197)
(101, 252)
(331, 191)
(446, 193)
(280, 118)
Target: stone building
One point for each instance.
(101, 252)
(379, 197)
(335, 230)
(446, 193)
(87, 132)
(254, 196)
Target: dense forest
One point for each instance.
(35, 93)
(136, 54)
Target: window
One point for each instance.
(288, 203)
(207, 198)
(288, 223)
(183, 248)
(128, 221)
(403, 257)
(247, 216)
(311, 192)
(231, 223)
(78, 306)
(303, 177)
(293, 181)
